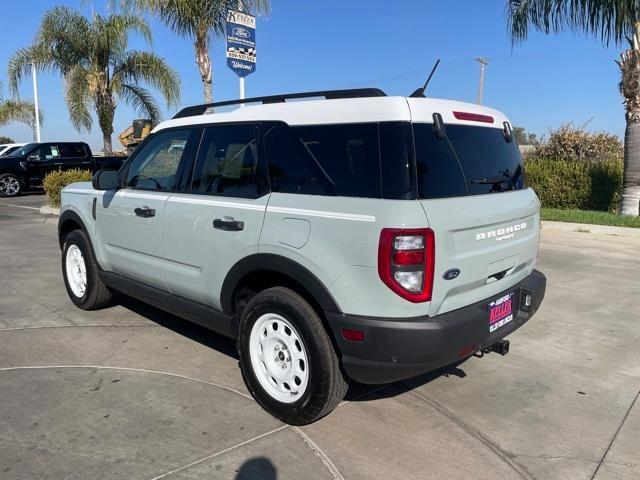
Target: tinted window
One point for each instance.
(24, 150)
(439, 173)
(155, 166)
(396, 161)
(292, 169)
(347, 156)
(354, 160)
(73, 150)
(471, 160)
(228, 162)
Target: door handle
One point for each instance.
(145, 212)
(228, 224)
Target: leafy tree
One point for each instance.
(611, 21)
(4, 139)
(525, 138)
(91, 55)
(198, 20)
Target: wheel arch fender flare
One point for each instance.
(275, 263)
(67, 218)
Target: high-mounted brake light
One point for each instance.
(406, 260)
(473, 117)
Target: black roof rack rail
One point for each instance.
(328, 94)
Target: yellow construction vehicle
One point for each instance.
(135, 134)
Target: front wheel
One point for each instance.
(287, 359)
(81, 273)
(10, 185)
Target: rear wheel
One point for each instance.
(10, 185)
(287, 359)
(81, 273)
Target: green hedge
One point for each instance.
(584, 185)
(56, 181)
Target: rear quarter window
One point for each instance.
(370, 160)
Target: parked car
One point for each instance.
(358, 237)
(27, 166)
(7, 148)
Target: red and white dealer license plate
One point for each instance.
(500, 312)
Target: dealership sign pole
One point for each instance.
(241, 45)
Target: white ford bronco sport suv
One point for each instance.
(350, 235)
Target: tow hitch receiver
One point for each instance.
(501, 347)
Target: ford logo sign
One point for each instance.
(451, 274)
(241, 32)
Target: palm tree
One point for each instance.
(16, 110)
(20, 111)
(611, 21)
(98, 70)
(198, 20)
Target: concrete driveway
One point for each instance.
(133, 393)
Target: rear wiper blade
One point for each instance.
(491, 181)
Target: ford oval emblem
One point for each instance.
(451, 274)
(241, 32)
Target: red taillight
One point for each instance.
(406, 259)
(473, 117)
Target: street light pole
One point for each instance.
(35, 101)
(483, 64)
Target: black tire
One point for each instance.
(326, 385)
(96, 295)
(10, 185)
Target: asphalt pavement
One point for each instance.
(131, 392)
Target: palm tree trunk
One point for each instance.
(107, 145)
(630, 87)
(204, 64)
(631, 183)
(106, 111)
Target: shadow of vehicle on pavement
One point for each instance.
(357, 392)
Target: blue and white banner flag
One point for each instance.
(241, 43)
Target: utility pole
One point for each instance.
(35, 101)
(483, 65)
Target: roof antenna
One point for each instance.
(419, 93)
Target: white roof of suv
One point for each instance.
(349, 110)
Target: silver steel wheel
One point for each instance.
(9, 186)
(76, 271)
(278, 358)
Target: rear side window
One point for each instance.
(346, 155)
(227, 162)
(469, 161)
(73, 150)
(354, 160)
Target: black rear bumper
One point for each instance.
(396, 349)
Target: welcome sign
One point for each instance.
(241, 42)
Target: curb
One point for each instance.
(48, 210)
(588, 228)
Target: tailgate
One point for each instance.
(491, 239)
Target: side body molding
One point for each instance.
(275, 263)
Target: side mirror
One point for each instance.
(106, 179)
(34, 157)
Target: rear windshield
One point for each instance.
(469, 161)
